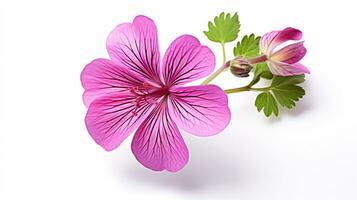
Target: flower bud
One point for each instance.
(240, 67)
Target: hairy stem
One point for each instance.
(215, 74)
(258, 59)
(245, 88)
(236, 90)
(224, 52)
(219, 70)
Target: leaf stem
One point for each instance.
(219, 70)
(215, 74)
(224, 52)
(260, 89)
(245, 88)
(236, 90)
(259, 59)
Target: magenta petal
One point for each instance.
(200, 110)
(110, 119)
(103, 77)
(187, 60)
(136, 47)
(291, 54)
(286, 69)
(272, 39)
(158, 144)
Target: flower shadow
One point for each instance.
(210, 167)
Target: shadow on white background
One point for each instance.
(225, 169)
(308, 153)
(206, 170)
(212, 166)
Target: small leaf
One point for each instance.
(224, 29)
(261, 71)
(266, 73)
(248, 47)
(265, 101)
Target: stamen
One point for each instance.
(134, 112)
(145, 94)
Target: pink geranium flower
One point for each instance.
(133, 90)
(284, 62)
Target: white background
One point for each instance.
(46, 152)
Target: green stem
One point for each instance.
(219, 70)
(245, 88)
(224, 52)
(236, 90)
(214, 75)
(259, 59)
(260, 89)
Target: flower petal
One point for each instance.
(136, 47)
(286, 69)
(186, 60)
(158, 144)
(110, 119)
(291, 54)
(272, 39)
(200, 110)
(104, 77)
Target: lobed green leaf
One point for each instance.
(287, 80)
(248, 47)
(224, 28)
(261, 71)
(283, 90)
(265, 101)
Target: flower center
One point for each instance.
(147, 94)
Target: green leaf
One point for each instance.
(283, 90)
(286, 91)
(248, 47)
(266, 101)
(287, 80)
(261, 71)
(266, 73)
(224, 28)
(287, 95)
